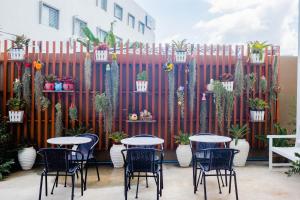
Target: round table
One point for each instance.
(68, 140)
(142, 141)
(209, 138)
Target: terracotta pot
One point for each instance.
(49, 86)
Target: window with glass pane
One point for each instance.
(118, 12)
(49, 16)
(78, 26)
(141, 27)
(103, 4)
(101, 34)
(131, 21)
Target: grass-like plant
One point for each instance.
(257, 104)
(238, 132)
(116, 137)
(182, 138)
(180, 45)
(77, 130)
(142, 76)
(257, 47)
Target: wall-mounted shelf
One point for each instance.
(141, 92)
(62, 91)
(140, 121)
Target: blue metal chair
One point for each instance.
(140, 161)
(59, 162)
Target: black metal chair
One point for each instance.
(219, 159)
(138, 163)
(87, 150)
(59, 162)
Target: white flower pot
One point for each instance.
(17, 54)
(141, 86)
(180, 56)
(257, 116)
(101, 55)
(228, 85)
(16, 116)
(184, 155)
(116, 155)
(254, 57)
(27, 157)
(241, 157)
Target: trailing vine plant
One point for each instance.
(26, 80)
(171, 80)
(203, 114)
(239, 78)
(229, 99)
(263, 84)
(58, 120)
(108, 116)
(192, 82)
(219, 94)
(250, 80)
(180, 99)
(115, 82)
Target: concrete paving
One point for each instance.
(255, 182)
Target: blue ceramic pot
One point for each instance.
(58, 86)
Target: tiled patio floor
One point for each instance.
(255, 182)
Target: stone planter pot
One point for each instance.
(141, 86)
(254, 58)
(27, 157)
(116, 155)
(16, 116)
(58, 86)
(184, 155)
(17, 54)
(257, 115)
(241, 157)
(180, 56)
(101, 55)
(49, 86)
(228, 85)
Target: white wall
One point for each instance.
(22, 17)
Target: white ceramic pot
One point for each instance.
(255, 58)
(101, 55)
(26, 157)
(141, 86)
(16, 116)
(116, 155)
(257, 116)
(184, 155)
(228, 85)
(180, 56)
(17, 54)
(241, 157)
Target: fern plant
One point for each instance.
(5, 168)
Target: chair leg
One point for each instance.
(125, 185)
(235, 184)
(147, 180)
(199, 179)
(204, 186)
(221, 178)
(66, 179)
(230, 177)
(46, 185)
(157, 187)
(137, 186)
(97, 172)
(57, 175)
(81, 182)
(220, 192)
(55, 182)
(41, 186)
(86, 171)
(161, 177)
(73, 180)
(226, 182)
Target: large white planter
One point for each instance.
(16, 116)
(101, 55)
(228, 85)
(116, 155)
(180, 56)
(141, 86)
(27, 157)
(254, 58)
(241, 157)
(17, 54)
(184, 155)
(257, 116)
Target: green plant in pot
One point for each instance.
(142, 81)
(257, 50)
(17, 52)
(77, 130)
(183, 151)
(16, 108)
(50, 82)
(295, 168)
(180, 50)
(257, 109)
(115, 150)
(238, 133)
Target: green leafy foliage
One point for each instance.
(250, 80)
(73, 112)
(101, 103)
(26, 79)
(180, 45)
(295, 169)
(116, 137)
(257, 104)
(238, 132)
(257, 47)
(110, 38)
(77, 130)
(142, 76)
(51, 78)
(21, 42)
(5, 168)
(89, 40)
(182, 138)
(239, 78)
(16, 104)
(263, 84)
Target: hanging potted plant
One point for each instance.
(73, 112)
(115, 150)
(180, 99)
(238, 133)
(227, 81)
(17, 52)
(183, 151)
(101, 53)
(180, 51)
(58, 86)
(26, 155)
(257, 109)
(16, 105)
(68, 84)
(257, 51)
(142, 82)
(50, 82)
(203, 114)
(145, 115)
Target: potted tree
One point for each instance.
(115, 150)
(142, 82)
(26, 155)
(101, 53)
(238, 133)
(257, 51)
(257, 109)
(180, 51)
(183, 151)
(50, 82)
(227, 81)
(17, 52)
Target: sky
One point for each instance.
(226, 21)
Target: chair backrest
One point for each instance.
(203, 145)
(140, 159)
(88, 148)
(221, 158)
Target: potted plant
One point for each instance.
(50, 82)
(238, 133)
(180, 51)
(183, 151)
(58, 86)
(133, 117)
(227, 81)
(142, 81)
(257, 109)
(115, 150)
(16, 109)
(101, 53)
(26, 155)
(68, 84)
(145, 115)
(257, 51)
(17, 52)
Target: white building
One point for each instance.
(60, 20)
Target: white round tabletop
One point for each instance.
(69, 140)
(210, 138)
(142, 141)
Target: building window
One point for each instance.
(102, 4)
(118, 12)
(78, 25)
(141, 27)
(101, 34)
(49, 16)
(131, 21)
(150, 22)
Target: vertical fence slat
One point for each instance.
(121, 88)
(147, 94)
(134, 108)
(46, 95)
(153, 87)
(159, 89)
(166, 105)
(127, 84)
(32, 96)
(198, 69)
